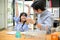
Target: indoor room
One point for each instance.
(29, 20)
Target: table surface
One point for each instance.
(4, 36)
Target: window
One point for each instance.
(10, 14)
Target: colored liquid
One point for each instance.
(18, 34)
(54, 37)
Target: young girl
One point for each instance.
(21, 22)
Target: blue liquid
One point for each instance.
(18, 34)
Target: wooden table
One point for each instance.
(4, 36)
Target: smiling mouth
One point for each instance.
(23, 18)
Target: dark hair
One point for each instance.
(40, 4)
(21, 14)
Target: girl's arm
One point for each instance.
(17, 10)
(28, 14)
(28, 10)
(16, 18)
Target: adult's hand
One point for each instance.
(30, 20)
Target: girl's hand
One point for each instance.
(29, 20)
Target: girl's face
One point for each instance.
(23, 18)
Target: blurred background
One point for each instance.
(8, 11)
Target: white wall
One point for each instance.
(3, 13)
